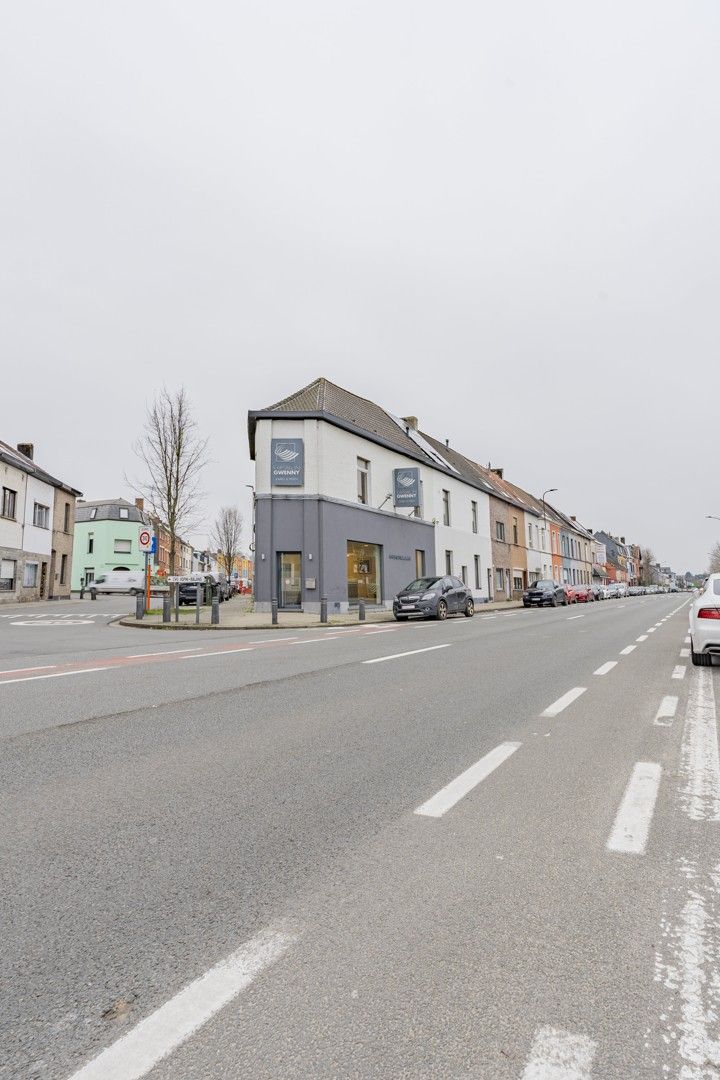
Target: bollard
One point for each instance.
(274, 610)
(215, 611)
(198, 602)
(166, 608)
(177, 602)
(323, 609)
(139, 606)
(361, 611)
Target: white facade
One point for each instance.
(11, 529)
(331, 471)
(39, 497)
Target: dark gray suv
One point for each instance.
(434, 598)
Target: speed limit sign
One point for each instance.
(145, 540)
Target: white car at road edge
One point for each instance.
(705, 623)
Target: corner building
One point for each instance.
(353, 503)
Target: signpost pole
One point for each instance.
(147, 582)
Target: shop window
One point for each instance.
(363, 572)
(8, 569)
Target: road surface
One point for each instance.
(477, 849)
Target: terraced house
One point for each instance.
(353, 503)
(37, 524)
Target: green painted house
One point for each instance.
(106, 538)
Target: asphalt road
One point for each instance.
(485, 848)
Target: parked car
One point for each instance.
(434, 598)
(219, 587)
(599, 591)
(570, 593)
(705, 623)
(584, 594)
(122, 581)
(612, 590)
(544, 592)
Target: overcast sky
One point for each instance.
(503, 218)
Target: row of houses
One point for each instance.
(37, 523)
(353, 502)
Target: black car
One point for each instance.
(217, 587)
(434, 598)
(544, 592)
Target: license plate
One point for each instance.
(407, 607)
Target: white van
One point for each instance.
(118, 581)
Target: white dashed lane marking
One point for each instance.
(564, 701)
(453, 792)
(632, 824)
(559, 1055)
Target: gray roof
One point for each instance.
(11, 456)
(109, 510)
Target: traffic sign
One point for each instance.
(145, 540)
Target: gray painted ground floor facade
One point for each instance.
(308, 547)
(26, 575)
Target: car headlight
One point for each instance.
(428, 596)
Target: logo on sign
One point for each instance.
(406, 479)
(286, 453)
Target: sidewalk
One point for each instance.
(233, 618)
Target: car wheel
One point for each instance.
(565, 602)
(526, 604)
(554, 601)
(134, 592)
(441, 610)
(469, 609)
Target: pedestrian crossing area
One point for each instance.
(59, 618)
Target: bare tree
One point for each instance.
(647, 572)
(225, 536)
(174, 456)
(715, 559)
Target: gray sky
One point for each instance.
(503, 218)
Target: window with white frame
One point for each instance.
(463, 575)
(30, 576)
(517, 583)
(123, 512)
(446, 507)
(363, 481)
(448, 562)
(477, 571)
(41, 516)
(8, 569)
(530, 543)
(474, 515)
(123, 547)
(499, 530)
(499, 579)
(9, 502)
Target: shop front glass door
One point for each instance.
(289, 585)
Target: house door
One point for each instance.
(289, 568)
(43, 580)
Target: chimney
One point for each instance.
(26, 448)
(573, 518)
(622, 539)
(411, 421)
(447, 443)
(140, 504)
(498, 472)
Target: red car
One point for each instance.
(571, 593)
(583, 594)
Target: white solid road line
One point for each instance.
(627, 650)
(453, 792)
(699, 755)
(604, 668)
(220, 652)
(413, 652)
(137, 1052)
(679, 671)
(165, 652)
(564, 701)
(643, 637)
(571, 617)
(684, 654)
(666, 712)
(632, 824)
(687, 640)
(559, 1055)
(54, 675)
(315, 640)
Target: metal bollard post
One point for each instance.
(139, 606)
(361, 611)
(166, 608)
(198, 602)
(215, 612)
(323, 609)
(274, 610)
